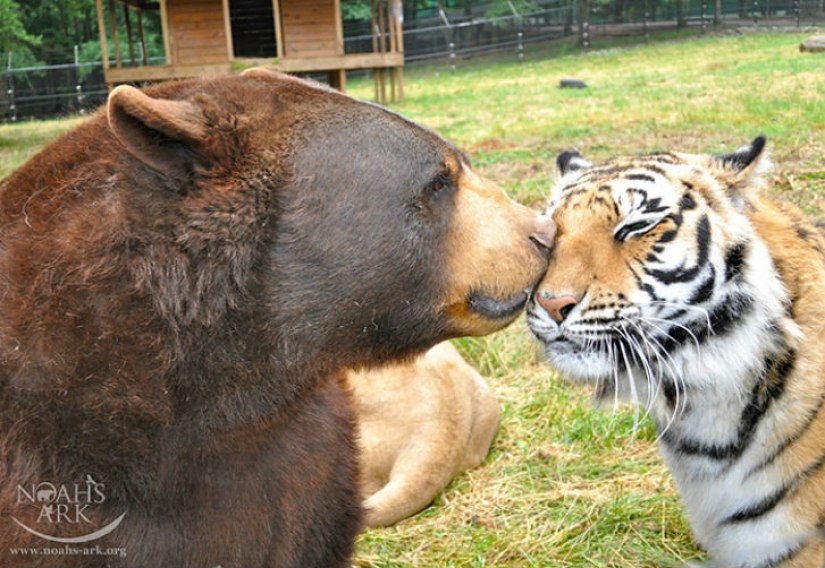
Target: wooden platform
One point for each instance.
(305, 36)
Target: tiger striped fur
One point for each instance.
(676, 283)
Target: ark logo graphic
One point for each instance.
(65, 504)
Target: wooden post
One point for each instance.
(115, 38)
(382, 43)
(374, 27)
(167, 36)
(399, 44)
(227, 25)
(142, 32)
(101, 24)
(129, 37)
(279, 33)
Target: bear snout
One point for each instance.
(499, 250)
(544, 235)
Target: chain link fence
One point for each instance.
(79, 87)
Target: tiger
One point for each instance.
(675, 282)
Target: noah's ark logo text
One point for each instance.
(65, 505)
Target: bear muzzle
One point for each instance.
(501, 250)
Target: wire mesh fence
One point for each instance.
(79, 87)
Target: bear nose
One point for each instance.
(544, 234)
(559, 307)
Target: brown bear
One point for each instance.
(183, 280)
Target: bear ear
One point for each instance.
(155, 131)
(570, 161)
(259, 72)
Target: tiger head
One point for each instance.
(654, 259)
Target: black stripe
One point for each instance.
(766, 505)
(730, 309)
(790, 440)
(757, 510)
(687, 203)
(784, 557)
(705, 290)
(654, 206)
(682, 274)
(769, 388)
(735, 261)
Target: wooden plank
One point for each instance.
(192, 20)
(168, 47)
(279, 31)
(164, 72)
(315, 21)
(101, 24)
(352, 61)
(115, 39)
(198, 31)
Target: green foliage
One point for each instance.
(47, 31)
(356, 10)
(499, 8)
(13, 34)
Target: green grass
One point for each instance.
(20, 141)
(695, 94)
(567, 485)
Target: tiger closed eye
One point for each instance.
(625, 231)
(637, 226)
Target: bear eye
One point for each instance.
(636, 227)
(440, 183)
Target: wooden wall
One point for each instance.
(197, 32)
(311, 28)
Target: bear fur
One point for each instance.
(183, 280)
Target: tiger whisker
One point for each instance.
(667, 362)
(634, 343)
(679, 306)
(676, 324)
(634, 395)
(612, 357)
(652, 350)
(664, 362)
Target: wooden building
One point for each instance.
(203, 37)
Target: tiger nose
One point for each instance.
(558, 307)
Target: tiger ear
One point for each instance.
(746, 164)
(570, 161)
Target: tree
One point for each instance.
(13, 34)
(61, 24)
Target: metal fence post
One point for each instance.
(10, 92)
(78, 86)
